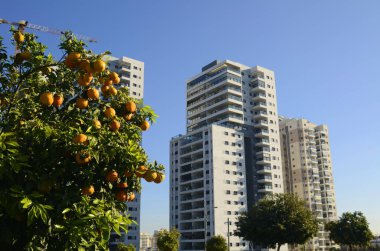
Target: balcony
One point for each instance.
(191, 177)
(265, 179)
(194, 150)
(126, 69)
(260, 87)
(189, 168)
(263, 161)
(264, 170)
(262, 142)
(125, 77)
(262, 151)
(262, 134)
(260, 115)
(259, 97)
(259, 106)
(261, 124)
(265, 189)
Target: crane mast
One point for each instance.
(25, 24)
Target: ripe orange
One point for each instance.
(141, 170)
(122, 195)
(74, 56)
(122, 185)
(58, 100)
(116, 80)
(150, 176)
(93, 94)
(82, 103)
(83, 158)
(80, 139)
(89, 68)
(46, 99)
(106, 81)
(85, 79)
(112, 90)
(112, 176)
(130, 106)
(99, 66)
(18, 37)
(73, 59)
(113, 76)
(105, 90)
(160, 177)
(84, 64)
(88, 190)
(128, 117)
(96, 123)
(144, 125)
(131, 196)
(110, 112)
(115, 125)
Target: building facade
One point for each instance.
(307, 169)
(148, 242)
(131, 73)
(230, 156)
(145, 242)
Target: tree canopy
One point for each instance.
(168, 240)
(124, 247)
(216, 243)
(70, 155)
(276, 220)
(350, 230)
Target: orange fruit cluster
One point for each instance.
(48, 99)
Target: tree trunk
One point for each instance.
(350, 247)
(278, 247)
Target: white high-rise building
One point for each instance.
(131, 73)
(145, 242)
(230, 156)
(307, 169)
(148, 242)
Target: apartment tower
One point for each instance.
(307, 170)
(230, 155)
(131, 74)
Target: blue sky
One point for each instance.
(326, 56)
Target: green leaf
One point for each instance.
(26, 202)
(12, 143)
(66, 210)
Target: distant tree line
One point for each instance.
(282, 219)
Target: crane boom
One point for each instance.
(25, 24)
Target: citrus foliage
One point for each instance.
(69, 156)
(351, 230)
(168, 240)
(276, 220)
(216, 243)
(123, 247)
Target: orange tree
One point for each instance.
(70, 155)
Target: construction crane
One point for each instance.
(25, 24)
